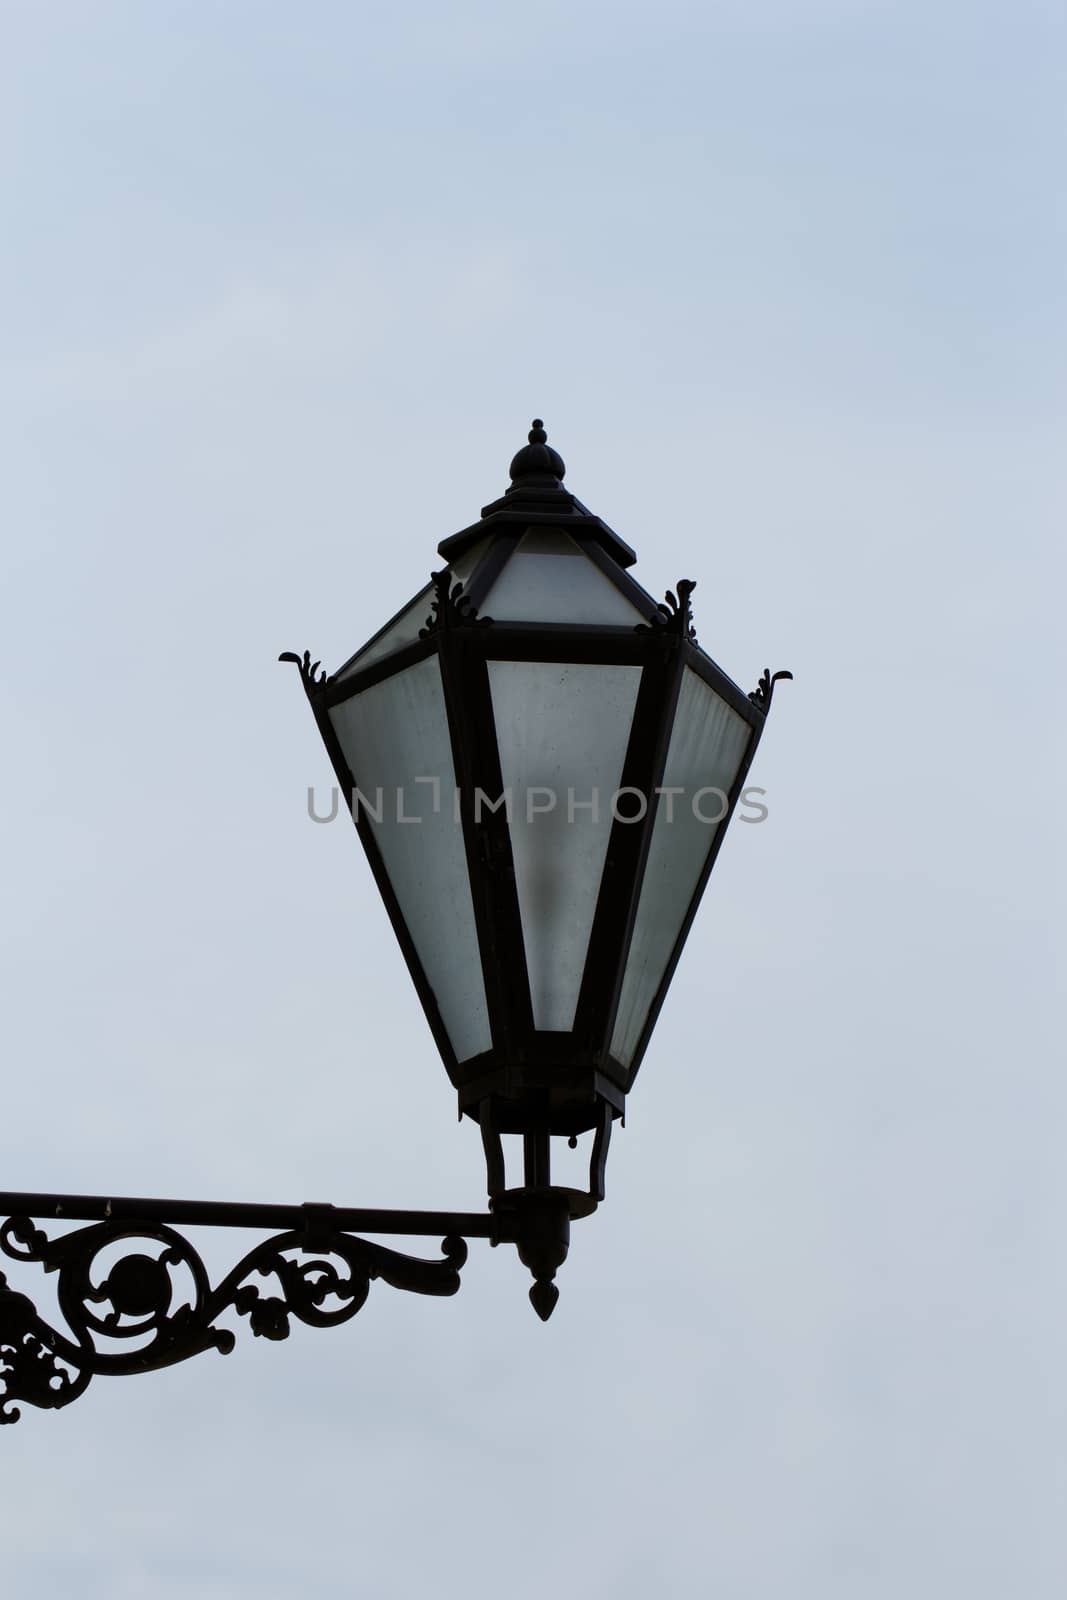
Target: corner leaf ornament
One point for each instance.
(310, 675)
(761, 694)
(676, 614)
(451, 606)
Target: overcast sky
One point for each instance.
(280, 291)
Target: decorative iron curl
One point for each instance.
(310, 675)
(133, 1298)
(451, 606)
(677, 614)
(761, 694)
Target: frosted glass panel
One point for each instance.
(562, 730)
(707, 745)
(405, 628)
(549, 579)
(392, 735)
(462, 569)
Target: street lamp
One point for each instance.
(541, 763)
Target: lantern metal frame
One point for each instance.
(530, 1082)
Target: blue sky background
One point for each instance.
(280, 291)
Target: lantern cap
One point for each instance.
(536, 463)
(537, 498)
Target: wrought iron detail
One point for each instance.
(451, 608)
(310, 675)
(676, 614)
(761, 694)
(136, 1294)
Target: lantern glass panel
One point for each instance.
(707, 746)
(550, 579)
(404, 629)
(392, 735)
(406, 626)
(562, 733)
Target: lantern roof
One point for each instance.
(537, 498)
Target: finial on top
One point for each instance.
(537, 464)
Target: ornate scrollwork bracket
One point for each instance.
(451, 606)
(676, 614)
(126, 1280)
(761, 694)
(310, 676)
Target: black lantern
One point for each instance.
(541, 763)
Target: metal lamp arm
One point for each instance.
(158, 1291)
